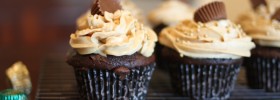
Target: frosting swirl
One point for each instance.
(259, 25)
(215, 39)
(171, 12)
(82, 21)
(116, 34)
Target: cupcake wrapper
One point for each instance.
(210, 82)
(98, 84)
(263, 73)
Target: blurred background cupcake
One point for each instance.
(205, 55)
(169, 13)
(263, 25)
(113, 54)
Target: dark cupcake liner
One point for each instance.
(98, 84)
(207, 82)
(159, 47)
(159, 59)
(263, 73)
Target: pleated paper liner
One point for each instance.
(204, 82)
(212, 11)
(263, 73)
(106, 85)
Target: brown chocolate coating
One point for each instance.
(267, 52)
(109, 5)
(95, 9)
(212, 11)
(276, 15)
(110, 62)
(257, 3)
(173, 56)
(100, 6)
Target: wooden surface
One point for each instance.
(32, 29)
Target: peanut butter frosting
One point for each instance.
(215, 39)
(116, 34)
(82, 22)
(127, 5)
(170, 12)
(259, 25)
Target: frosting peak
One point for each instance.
(259, 25)
(215, 39)
(115, 34)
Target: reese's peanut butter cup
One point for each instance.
(212, 11)
(95, 9)
(257, 3)
(100, 6)
(276, 15)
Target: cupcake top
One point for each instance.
(210, 35)
(110, 31)
(170, 12)
(263, 23)
(127, 5)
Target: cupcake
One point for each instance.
(168, 13)
(263, 25)
(205, 55)
(112, 57)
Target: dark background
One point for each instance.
(31, 30)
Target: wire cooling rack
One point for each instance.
(57, 82)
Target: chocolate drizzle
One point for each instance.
(276, 15)
(257, 3)
(212, 11)
(101, 6)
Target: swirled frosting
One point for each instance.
(127, 5)
(259, 25)
(170, 12)
(82, 22)
(114, 34)
(215, 39)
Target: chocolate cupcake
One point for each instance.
(205, 55)
(168, 13)
(263, 25)
(113, 57)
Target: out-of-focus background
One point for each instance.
(31, 30)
